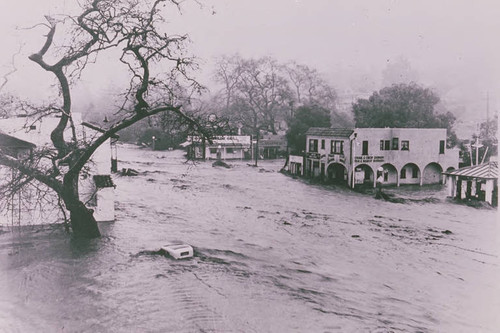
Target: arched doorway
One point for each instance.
(390, 174)
(409, 174)
(363, 175)
(337, 173)
(432, 174)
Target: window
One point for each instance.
(395, 144)
(441, 146)
(365, 148)
(313, 145)
(337, 147)
(403, 173)
(229, 150)
(322, 144)
(414, 172)
(213, 150)
(405, 145)
(385, 144)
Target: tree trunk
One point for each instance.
(83, 222)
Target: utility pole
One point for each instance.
(487, 113)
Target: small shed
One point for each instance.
(477, 182)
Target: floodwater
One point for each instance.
(272, 254)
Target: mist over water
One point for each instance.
(272, 254)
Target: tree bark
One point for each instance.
(83, 222)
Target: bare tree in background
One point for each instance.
(256, 92)
(160, 82)
(310, 89)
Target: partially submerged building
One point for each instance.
(20, 137)
(296, 165)
(272, 146)
(404, 155)
(477, 182)
(229, 147)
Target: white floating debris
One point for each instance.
(179, 251)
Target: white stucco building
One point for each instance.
(353, 156)
(230, 147)
(96, 187)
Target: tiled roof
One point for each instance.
(486, 171)
(323, 131)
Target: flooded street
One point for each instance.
(272, 254)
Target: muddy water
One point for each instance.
(273, 254)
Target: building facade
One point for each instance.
(296, 165)
(272, 146)
(401, 155)
(230, 147)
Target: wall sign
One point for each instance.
(368, 159)
(315, 156)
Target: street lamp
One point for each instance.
(154, 141)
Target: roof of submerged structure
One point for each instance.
(486, 171)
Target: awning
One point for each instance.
(485, 171)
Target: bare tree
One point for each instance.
(310, 89)
(228, 72)
(159, 79)
(257, 93)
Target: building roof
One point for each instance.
(324, 131)
(486, 171)
(11, 144)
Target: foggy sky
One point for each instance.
(453, 45)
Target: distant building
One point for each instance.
(272, 146)
(96, 187)
(296, 165)
(353, 156)
(230, 147)
(478, 182)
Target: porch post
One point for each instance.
(489, 191)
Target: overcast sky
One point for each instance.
(450, 43)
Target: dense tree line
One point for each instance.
(403, 105)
